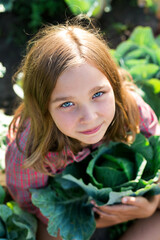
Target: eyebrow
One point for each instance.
(93, 90)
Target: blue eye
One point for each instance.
(67, 104)
(98, 94)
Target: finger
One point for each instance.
(110, 208)
(106, 219)
(116, 213)
(102, 213)
(117, 209)
(129, 200)
(140, 202)
(103, 216)
(135, 201)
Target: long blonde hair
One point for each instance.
(53, 50)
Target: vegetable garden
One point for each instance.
(139, 54)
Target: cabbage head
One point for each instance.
(105, 176)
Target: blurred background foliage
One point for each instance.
(30, 15)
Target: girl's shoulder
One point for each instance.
(15, 152)
(22, 137)
(149, 124)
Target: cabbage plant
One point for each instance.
(140, 56)
(105, 176)
(15, 224)
(94, 8)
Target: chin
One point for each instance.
(92, 141)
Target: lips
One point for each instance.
(92, 131)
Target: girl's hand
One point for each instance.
(130, 209)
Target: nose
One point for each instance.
(87, 114)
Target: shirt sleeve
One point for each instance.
(20, 180)
(149, 124)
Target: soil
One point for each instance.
(11, 52)
(2, 179)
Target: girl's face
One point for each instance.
(82, 103)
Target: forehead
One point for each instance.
(79, 80)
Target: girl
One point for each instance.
(74, 100)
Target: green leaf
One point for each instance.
(74, 218)
(151, 98)
(22, 227)
(91, 165)
(5, 212)
(133, 62)
(76, 170)
(143, 36)
(89, 7)
(110, 177)
(135, 54)
(122, 164)
(18, 224)
(2, 230)
(157, 55)
(142, 146)
(151, 54)
(143, 52)
(24, 220)
(150, 190)
(155, 143)
(158, 40)
(2, 194)
(154, 84)
(101, 196)
(124, 48)
(142, 72)
(115, 197)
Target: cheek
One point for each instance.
(63, 121)
(108, 108)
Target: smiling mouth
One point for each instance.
(92, 131)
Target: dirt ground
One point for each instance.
(2, 179)
(11, 52)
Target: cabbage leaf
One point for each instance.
(105, 176)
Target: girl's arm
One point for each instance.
(42, 233)
(148, 228)
(20, 180)
(131, 208)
